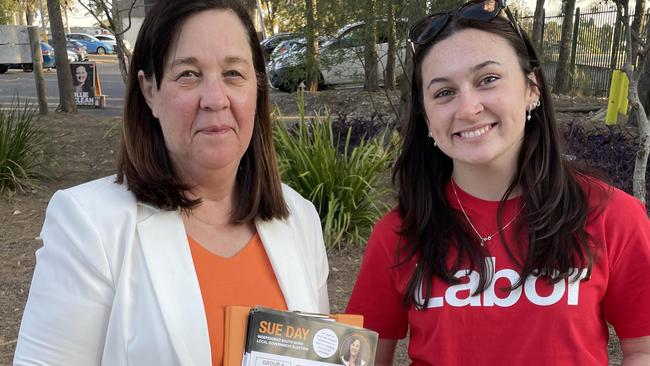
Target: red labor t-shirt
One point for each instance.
(536, 324)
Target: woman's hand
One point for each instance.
(636, 351)
(385, 352)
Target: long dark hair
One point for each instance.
(144, 163)
(346, 351)
(556, 206)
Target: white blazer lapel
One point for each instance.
(281, 247)
(170, 266)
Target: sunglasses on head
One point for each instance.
(429, 27)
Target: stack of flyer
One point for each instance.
(284, 338)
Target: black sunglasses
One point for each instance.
(429, 27)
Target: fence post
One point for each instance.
(37, 62)
(574, 46)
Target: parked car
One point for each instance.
(340, 58)
(290, 46)
(93, 44)
(48, 61)
(270, 43)
(110, 39)
(72, 57)
(79, 49)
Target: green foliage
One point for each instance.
(21, 147)
(7, 8)
(347, 186)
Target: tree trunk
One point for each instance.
(123, 55)
(562, 76)
(641, 160)
(63, 73)
(538, 25)
(639, 12)
(391, 57)
(311, 34)
(370, 48)
(416, 10)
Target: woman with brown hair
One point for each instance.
(500, 251)
(137, 269)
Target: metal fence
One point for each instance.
(599, 46)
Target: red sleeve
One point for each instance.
(627, 301)
(376, 294)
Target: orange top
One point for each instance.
(246, 279)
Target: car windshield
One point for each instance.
(340, 33)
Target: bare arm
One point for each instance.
(385, 352)
(636, 351)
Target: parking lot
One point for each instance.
(15, 83)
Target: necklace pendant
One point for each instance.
(483, 240)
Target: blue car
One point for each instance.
(93, 44)
(48, 61)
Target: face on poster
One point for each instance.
(83, 77)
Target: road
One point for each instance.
(17, 82)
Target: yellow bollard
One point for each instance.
(614, 95)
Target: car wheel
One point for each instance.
(101, 50)
(27, 67)
(3, 68)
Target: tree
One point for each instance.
(311, 34)
(391, 58)
(538, 24)
(7, 8)
(415, 10)
(113, 14)
(639, 11)
(562, 75)
(634, 74)
(63, 73)
(371, 82)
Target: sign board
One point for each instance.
(14, 45)
(83, 78)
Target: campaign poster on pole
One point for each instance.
(83, 77)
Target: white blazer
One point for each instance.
(115, 284)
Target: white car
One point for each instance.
(110, 39)
(341, 58)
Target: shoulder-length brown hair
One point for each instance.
(144, 164)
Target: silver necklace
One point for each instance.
(484, 239)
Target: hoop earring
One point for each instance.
(531, 108)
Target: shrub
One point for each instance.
(611, 150)
(21, 147)
(347, 187)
